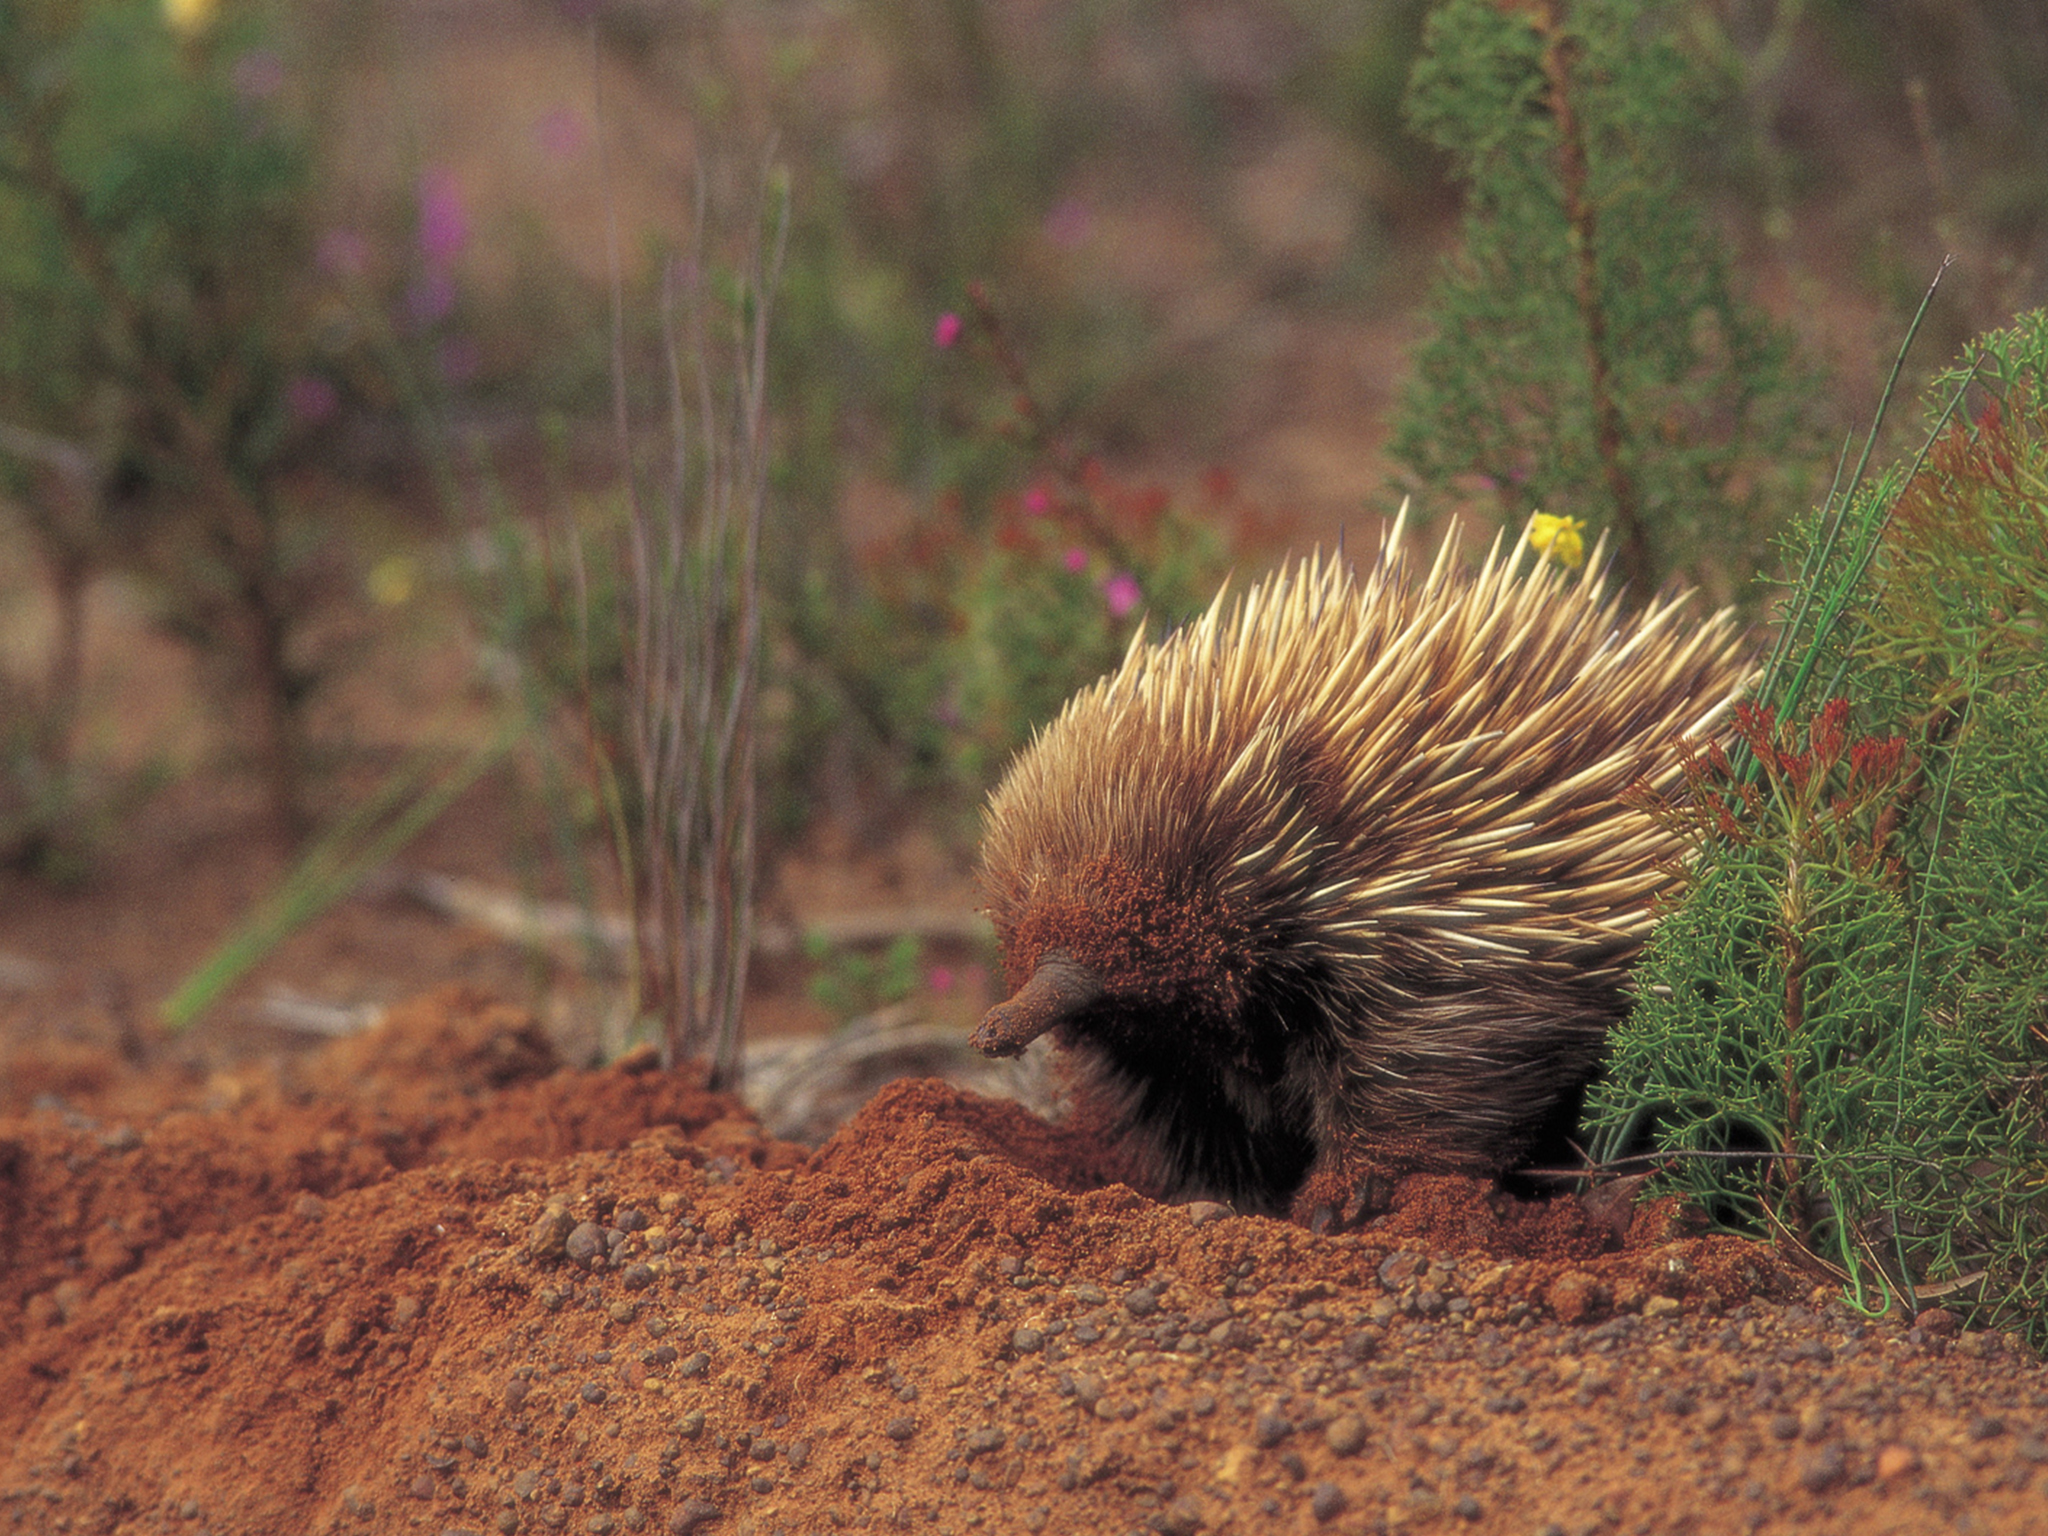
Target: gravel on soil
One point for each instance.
(436, 1284)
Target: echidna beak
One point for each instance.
(1058, 990)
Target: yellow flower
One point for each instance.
(1563, 537)
(392, 580)
(190, 17)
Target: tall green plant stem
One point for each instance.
(1796, 961)
(1560, 53)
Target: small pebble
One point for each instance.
(691, 1515)
(900, 1428)
(585, 1243)
(1823, 1471)
(1269, 1429)
(1027, 1341)
(1396, 1270)
(1345, 1434)
(1327, 1501)
(544, 1239)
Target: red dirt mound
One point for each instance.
(431, 1282)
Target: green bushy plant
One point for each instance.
(852, 982)
(157, 285)
(980, 619)
(1843, 1031)
(1590, 354)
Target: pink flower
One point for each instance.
(1077, 559)
(947, 331)
(310, 398)
(1120, 593)
(941, 979)
(1037, 501)
(444, 227)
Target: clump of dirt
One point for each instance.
(430, 1280)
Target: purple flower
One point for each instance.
(947, 331)
(1120, 593)
(1069, 223)
(562, 134)
(1037, 501)
(1077, 559)
(444, 227)
(342, 253)
(310, 398)
(257, 74)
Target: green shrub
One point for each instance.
(1843, 1031)
(1590, 354)
(157, 285)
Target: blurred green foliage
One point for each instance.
(850, 982)
(1100, 167)
(1590, 353)
(159, 336)
(1843, 1032)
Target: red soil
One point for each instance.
(429, 1281)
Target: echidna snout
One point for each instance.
(1345, 877)
(1058, 990)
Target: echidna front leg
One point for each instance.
(1338, 1196)
(1459, 1082)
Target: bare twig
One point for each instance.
(693, 643)
(520, 920)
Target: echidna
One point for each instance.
(1344, 880)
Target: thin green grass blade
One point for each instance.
(330, 871)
